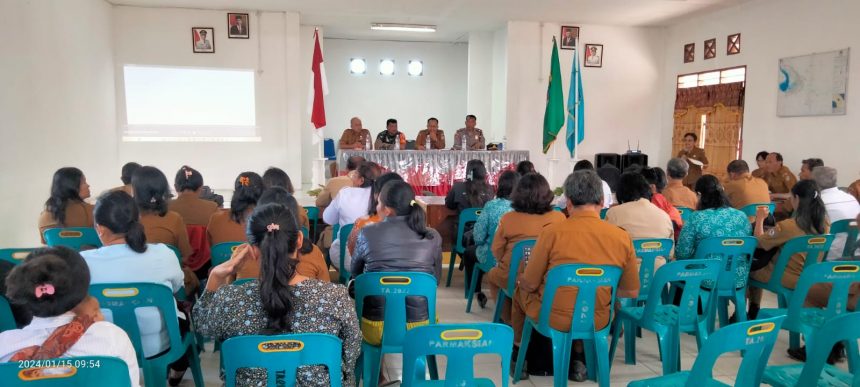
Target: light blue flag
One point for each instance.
(575, 107)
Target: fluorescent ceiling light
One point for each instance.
(402, 27)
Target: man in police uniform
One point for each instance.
(474, 136)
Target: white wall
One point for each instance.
(620, 98)
(440, 92)
(480, 80)
(161, 36)
(770, 30)
(56, 104)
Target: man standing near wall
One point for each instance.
(474, 137)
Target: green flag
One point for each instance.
(553, 116)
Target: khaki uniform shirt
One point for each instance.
(776, 238)
(439, 143)
(474, 139)
(311, 265)
(514, 227)
(680, 196)
(223, 229)
(746, 190)
(168, 229)
(782, 181)
(78, 214)
(582, 238)
(192, 209)
(332, 187)
(760, 173)
(350, 138)
(695, 171)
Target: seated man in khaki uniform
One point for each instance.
(582, 238)
(780, 180)
(354, 137)
(742, 188)
(436, 135)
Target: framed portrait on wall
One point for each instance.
(203, 39)
(237, 26)
(593, 55)
(569, 34)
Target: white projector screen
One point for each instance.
(188, 104)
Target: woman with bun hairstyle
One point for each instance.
(311, 260)
(227, 225)
(188, 184)
(151, 193)
(53, 284)
(280, 301)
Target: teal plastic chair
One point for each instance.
(466, 216)
(223, 251)
(686, 212)
(75, 238)
(849, 228)
(7, 319)
(395, 287)
(459, 343)
(484, 267)
(647, 250)
(754, 339)
(313, 217)
(557, 208)
(75, 372)
(750, 209)
(665, 319)
(603, 213)
(814, 246)
(282, 355)
(180, 295)
(521, 249)
(15, 256)
(815, 371)
(122, 299)
(734, 253)
(345, 273)
(807, 321)
(305, 232)
(588, 279)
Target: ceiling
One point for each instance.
(456, 18)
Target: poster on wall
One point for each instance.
(813, 85)
(203, 39)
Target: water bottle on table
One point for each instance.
(427, 145)
(464, 143)
(367, 143)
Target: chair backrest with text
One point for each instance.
(76, 238)
(15, 256)
(395, 287)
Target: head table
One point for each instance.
(434, 172)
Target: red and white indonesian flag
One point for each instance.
(318, 89)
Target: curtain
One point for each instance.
(723, 107)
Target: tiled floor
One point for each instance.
(451, 308)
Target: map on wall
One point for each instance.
(813, 85)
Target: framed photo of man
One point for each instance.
(593, 55)
(203, 39)
(237, 26)
(569, 34)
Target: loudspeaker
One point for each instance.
(607, 158)
(631, 158)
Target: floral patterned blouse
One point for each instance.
(320, 307)
(719, 222)
(485, 227)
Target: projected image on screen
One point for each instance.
(176, 103)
